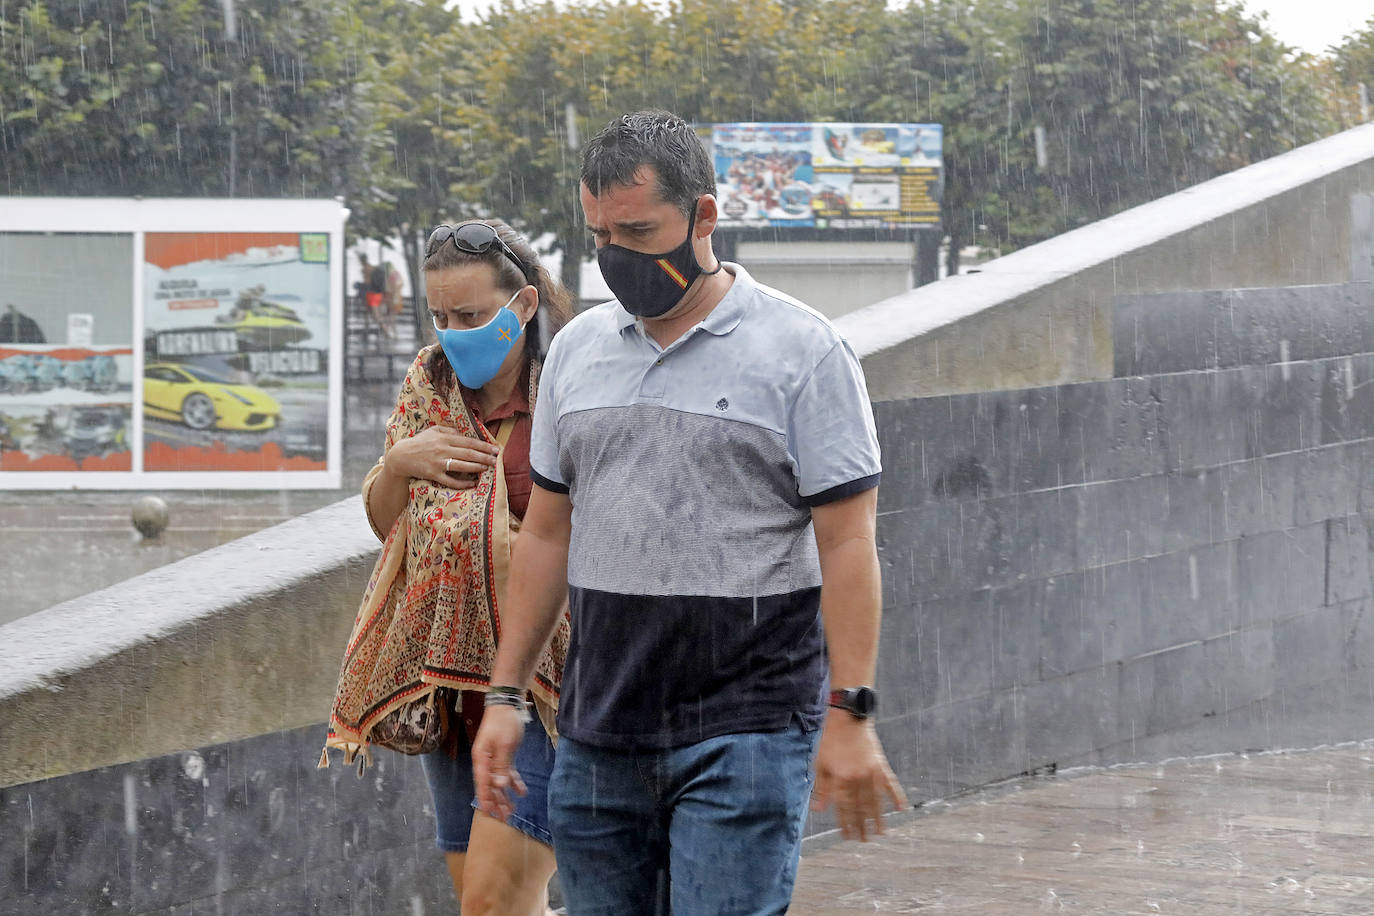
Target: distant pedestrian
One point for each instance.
(374, 294)
(705, 465)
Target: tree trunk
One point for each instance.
(954, 225)
(955, 243)
(410, 250)
(574, 252)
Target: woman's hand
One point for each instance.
(443, 455)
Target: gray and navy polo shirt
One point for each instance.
(693, 577)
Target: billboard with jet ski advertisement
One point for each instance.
(219, 373)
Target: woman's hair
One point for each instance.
(555, 302)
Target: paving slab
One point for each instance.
(1282, 832)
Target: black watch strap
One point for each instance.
(859, 702)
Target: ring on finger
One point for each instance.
(447, 462)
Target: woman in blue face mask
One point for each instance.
(448, 497)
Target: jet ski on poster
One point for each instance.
(253, 284)
(852, 146)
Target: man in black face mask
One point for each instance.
(706, 473)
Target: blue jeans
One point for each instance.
(451, 788)
(712, 828)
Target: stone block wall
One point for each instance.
(1176, 560)
(248, 826)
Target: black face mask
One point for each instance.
(649, 285)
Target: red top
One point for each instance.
(516, 457)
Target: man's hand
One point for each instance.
(493, 773)
(852, 771)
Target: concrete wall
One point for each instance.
(240, 640)
(248, 826)
(1362, 237)
(1043, 315)
(832, 277)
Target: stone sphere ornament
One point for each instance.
(150, 516)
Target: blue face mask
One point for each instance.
(476, 354)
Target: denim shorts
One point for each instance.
(451, 788)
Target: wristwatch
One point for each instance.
(859, 702)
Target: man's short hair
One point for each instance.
(656, 138)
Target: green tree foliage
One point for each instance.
(763, 60)
(942, 64)
(1352, 65)
(421, 91)
(707, 60)
(164, 98)
(1137, 99)
(1056, 112)
(1355, 57)
(539, 69)
(1128, 100)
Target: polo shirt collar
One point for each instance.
(727, 314)
(730, 310)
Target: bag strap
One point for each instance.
(504, 430)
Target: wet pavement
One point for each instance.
(1264, 833)
(59, 545)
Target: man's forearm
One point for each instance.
(538, 588)
(851, 769)
(851, 607)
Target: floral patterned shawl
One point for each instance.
(429, 616)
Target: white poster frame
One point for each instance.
(139, 216)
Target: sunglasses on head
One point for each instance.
(473, 238)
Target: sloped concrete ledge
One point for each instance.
(240, 640)
(1043, 315)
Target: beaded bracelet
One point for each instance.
(500, 696)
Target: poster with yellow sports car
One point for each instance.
(203, 400)
(184, 344)
(235, 332)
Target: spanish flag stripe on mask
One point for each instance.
(672, 271)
